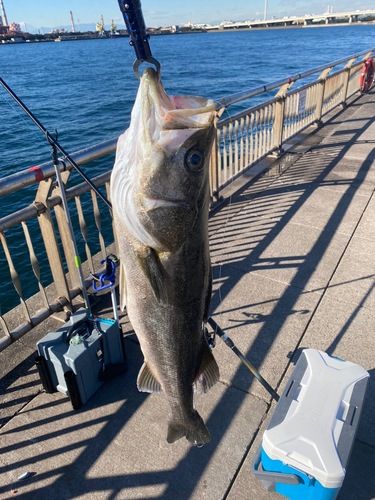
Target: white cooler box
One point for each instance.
(306, 447)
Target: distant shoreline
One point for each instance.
(290, 27)
(74, 38)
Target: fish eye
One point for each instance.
(194, 160)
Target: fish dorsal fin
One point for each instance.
(208, 373)
(122, 287)
(146, 382)
(152, 268)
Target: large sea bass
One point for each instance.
(160, 197)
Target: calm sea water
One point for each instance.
(86, 90)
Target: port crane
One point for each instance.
(100, 26)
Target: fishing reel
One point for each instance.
(107, 279)
(210, 337)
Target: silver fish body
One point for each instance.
(160, 197)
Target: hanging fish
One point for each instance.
(160, 197)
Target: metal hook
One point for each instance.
(150, 60)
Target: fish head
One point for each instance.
(160, 181)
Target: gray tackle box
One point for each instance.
(77, 366)
(306, 447)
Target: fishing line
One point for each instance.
(56, 163)
(226, 110)
(42, 141)
(94, 240)
(10, 103)
(216, 328)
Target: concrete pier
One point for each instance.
(294, 267)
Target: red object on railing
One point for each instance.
(39, 176)
(367, 75)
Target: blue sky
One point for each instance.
(164, 12)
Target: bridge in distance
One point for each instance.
(305, 20)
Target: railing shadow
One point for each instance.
(10, 388)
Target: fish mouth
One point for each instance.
(170, 120)
(151, 204)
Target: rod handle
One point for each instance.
(71, 385)
(41, 365)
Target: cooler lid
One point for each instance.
(314, 423)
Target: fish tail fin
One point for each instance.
(195, 431)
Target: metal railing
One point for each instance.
(241, 141)
(247, 137)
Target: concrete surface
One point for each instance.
(293, 267)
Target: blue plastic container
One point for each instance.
(306, 447)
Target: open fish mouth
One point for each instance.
(151, 204)
(169, 120)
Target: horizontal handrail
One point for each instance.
(37, 208)
(246, 94)
(225, 121)
(240, 114)
(33, 175)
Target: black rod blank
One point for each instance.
(245, 361)
(136, 28)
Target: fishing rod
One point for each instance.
(54, 143)
(216, 328)
(136, 28)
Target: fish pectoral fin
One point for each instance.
(122, 287)
(208, 373)
(152, 268)
(146, 382)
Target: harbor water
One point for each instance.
(86, 90)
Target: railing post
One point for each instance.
(278, 122)
(347, 69)
(213, 168)
(365, 57)
(320, 95)
(50, 242)
(214, 159)
(65, 235)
